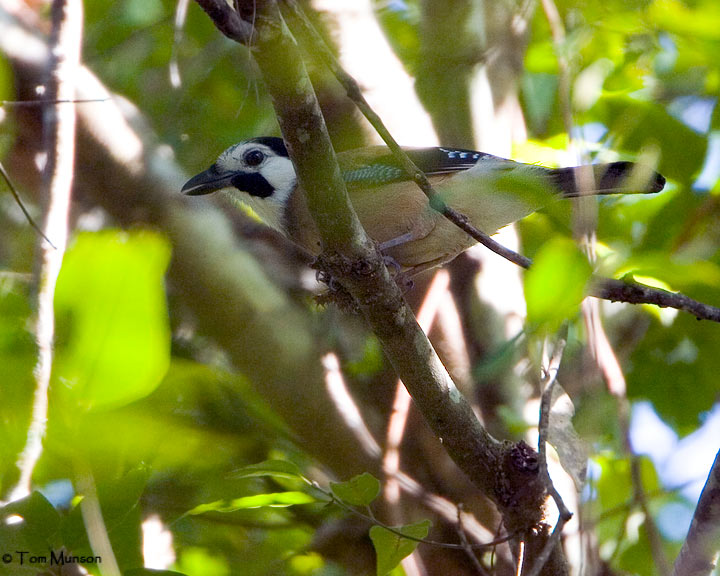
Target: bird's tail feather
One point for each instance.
(613, 178)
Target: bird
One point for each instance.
(491, 191)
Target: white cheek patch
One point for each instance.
(280, 174)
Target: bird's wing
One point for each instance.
(376, 166)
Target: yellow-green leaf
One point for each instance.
(269, 500)
(360, 490)
(555, 284)
(392, 548)
(113, 337)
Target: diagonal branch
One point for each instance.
(505, 473)
(699, 553)
(351, 256)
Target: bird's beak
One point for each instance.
(206, 183)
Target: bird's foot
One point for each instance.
(336, 293)
(401, 277)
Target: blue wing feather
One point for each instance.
(385, 168)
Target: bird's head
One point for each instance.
(259, 168)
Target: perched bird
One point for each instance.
(491, 191)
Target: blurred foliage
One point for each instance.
(114, 362)
(154, 418)
(555, 285)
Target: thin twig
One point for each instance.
(92, 516)
(174, 67)
(60, 126)
(521, 558)
(370, 517)
(554, 540)
(464, 541)
(634, 293)
(548, 382)
(18, 200)
(657, 548)
(31, 103)
(441, 506)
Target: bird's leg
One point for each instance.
(399, 240)
(402, 278)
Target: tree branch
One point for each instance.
(351, 258)
(634, 293)
(702, 545)
(227, 21)
(507, 474)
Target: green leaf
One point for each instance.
(555, 284)
(358, 491)
(540, 58)
(274, 468)
(139, 13)
(113, 337)
(204, 562)
(369, 359)
(36, 526)
(269, 500)
(391, 548)
(539, 91)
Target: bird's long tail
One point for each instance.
(613, 178)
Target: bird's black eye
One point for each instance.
(253, 158)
